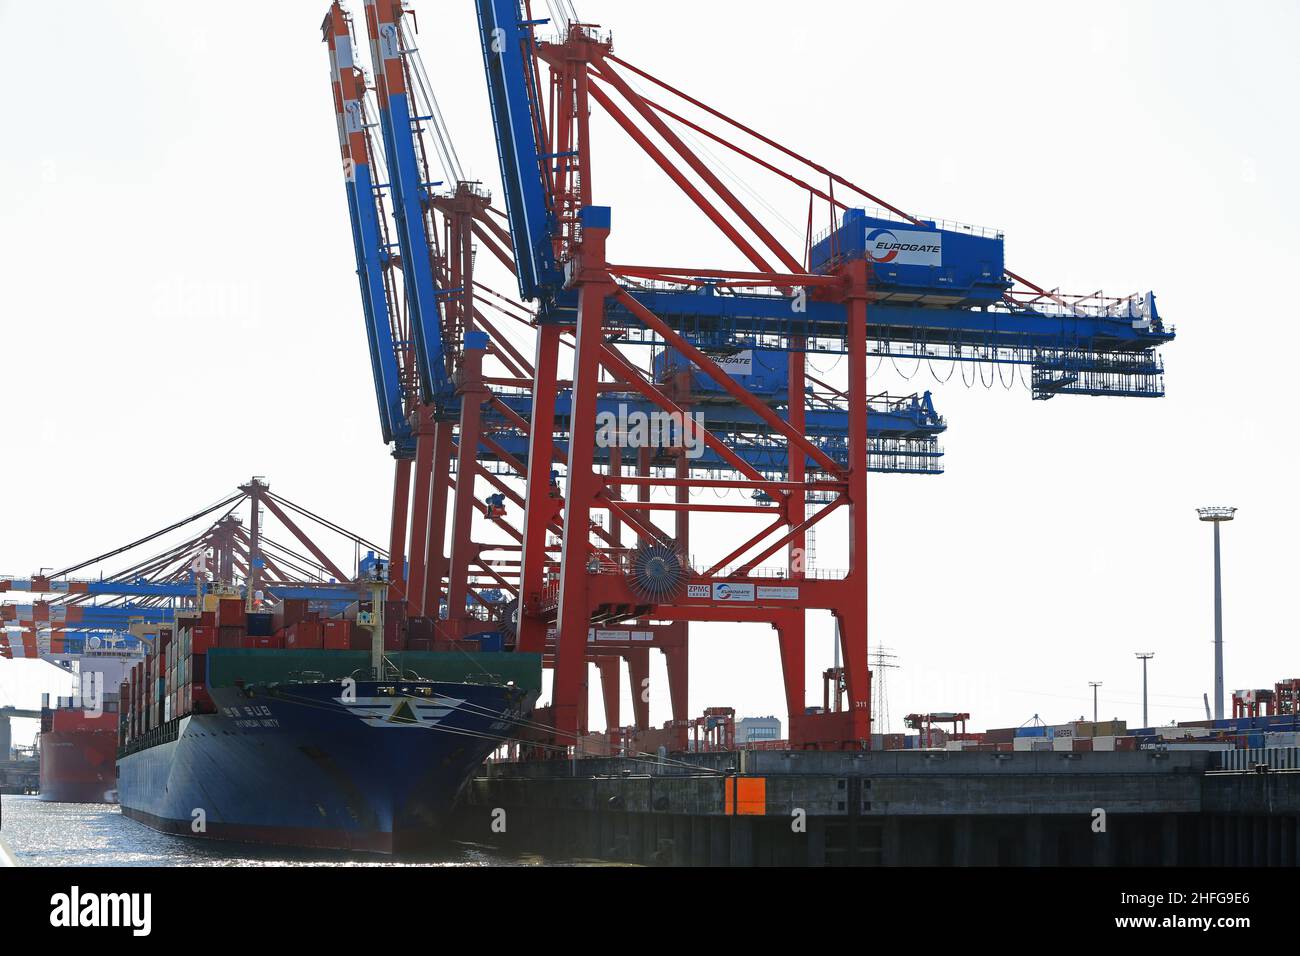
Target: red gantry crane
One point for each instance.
(465, 427)
(875, 280)
(584, 547)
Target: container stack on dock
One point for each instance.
(1080, 736)
(1234, 733)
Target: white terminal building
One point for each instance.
(754, 729)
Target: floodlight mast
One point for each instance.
(1145, 656)
(1217, 515)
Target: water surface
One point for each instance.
(97, 834)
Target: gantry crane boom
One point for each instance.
(68, 619)
(1080, 345)
(367, 236)
(511, 89)
(411, 194)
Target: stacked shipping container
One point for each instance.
(172, 681)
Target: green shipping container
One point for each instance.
(225, 666)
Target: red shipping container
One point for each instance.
(419, 644)
(208, 618)
(230, 637)
(469, 647)
(202, 640)
(230, 613)
(308, 635)
(394, 624)
(392, 638)
(337, 635)
(292, 611)
(262, 642)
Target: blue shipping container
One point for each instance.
(1031, 731)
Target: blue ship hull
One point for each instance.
(301, 765)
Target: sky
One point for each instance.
(178, 308)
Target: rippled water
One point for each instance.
(97, 834)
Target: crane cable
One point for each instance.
(147, 538)
(971, 383)
(952, 367)
(441, 134)
(1005, 386)
(736, 179)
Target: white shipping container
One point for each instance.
(1025, 743)
(1103, 743)
(1041, 744)
(1065, 744)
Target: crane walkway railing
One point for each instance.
(948, 225)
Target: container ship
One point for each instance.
(78, 738)
(78, 746)
(293, 728)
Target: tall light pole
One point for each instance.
(1217, 515)
(1145, 656)
(1094, 684)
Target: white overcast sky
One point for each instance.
(180, 311)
